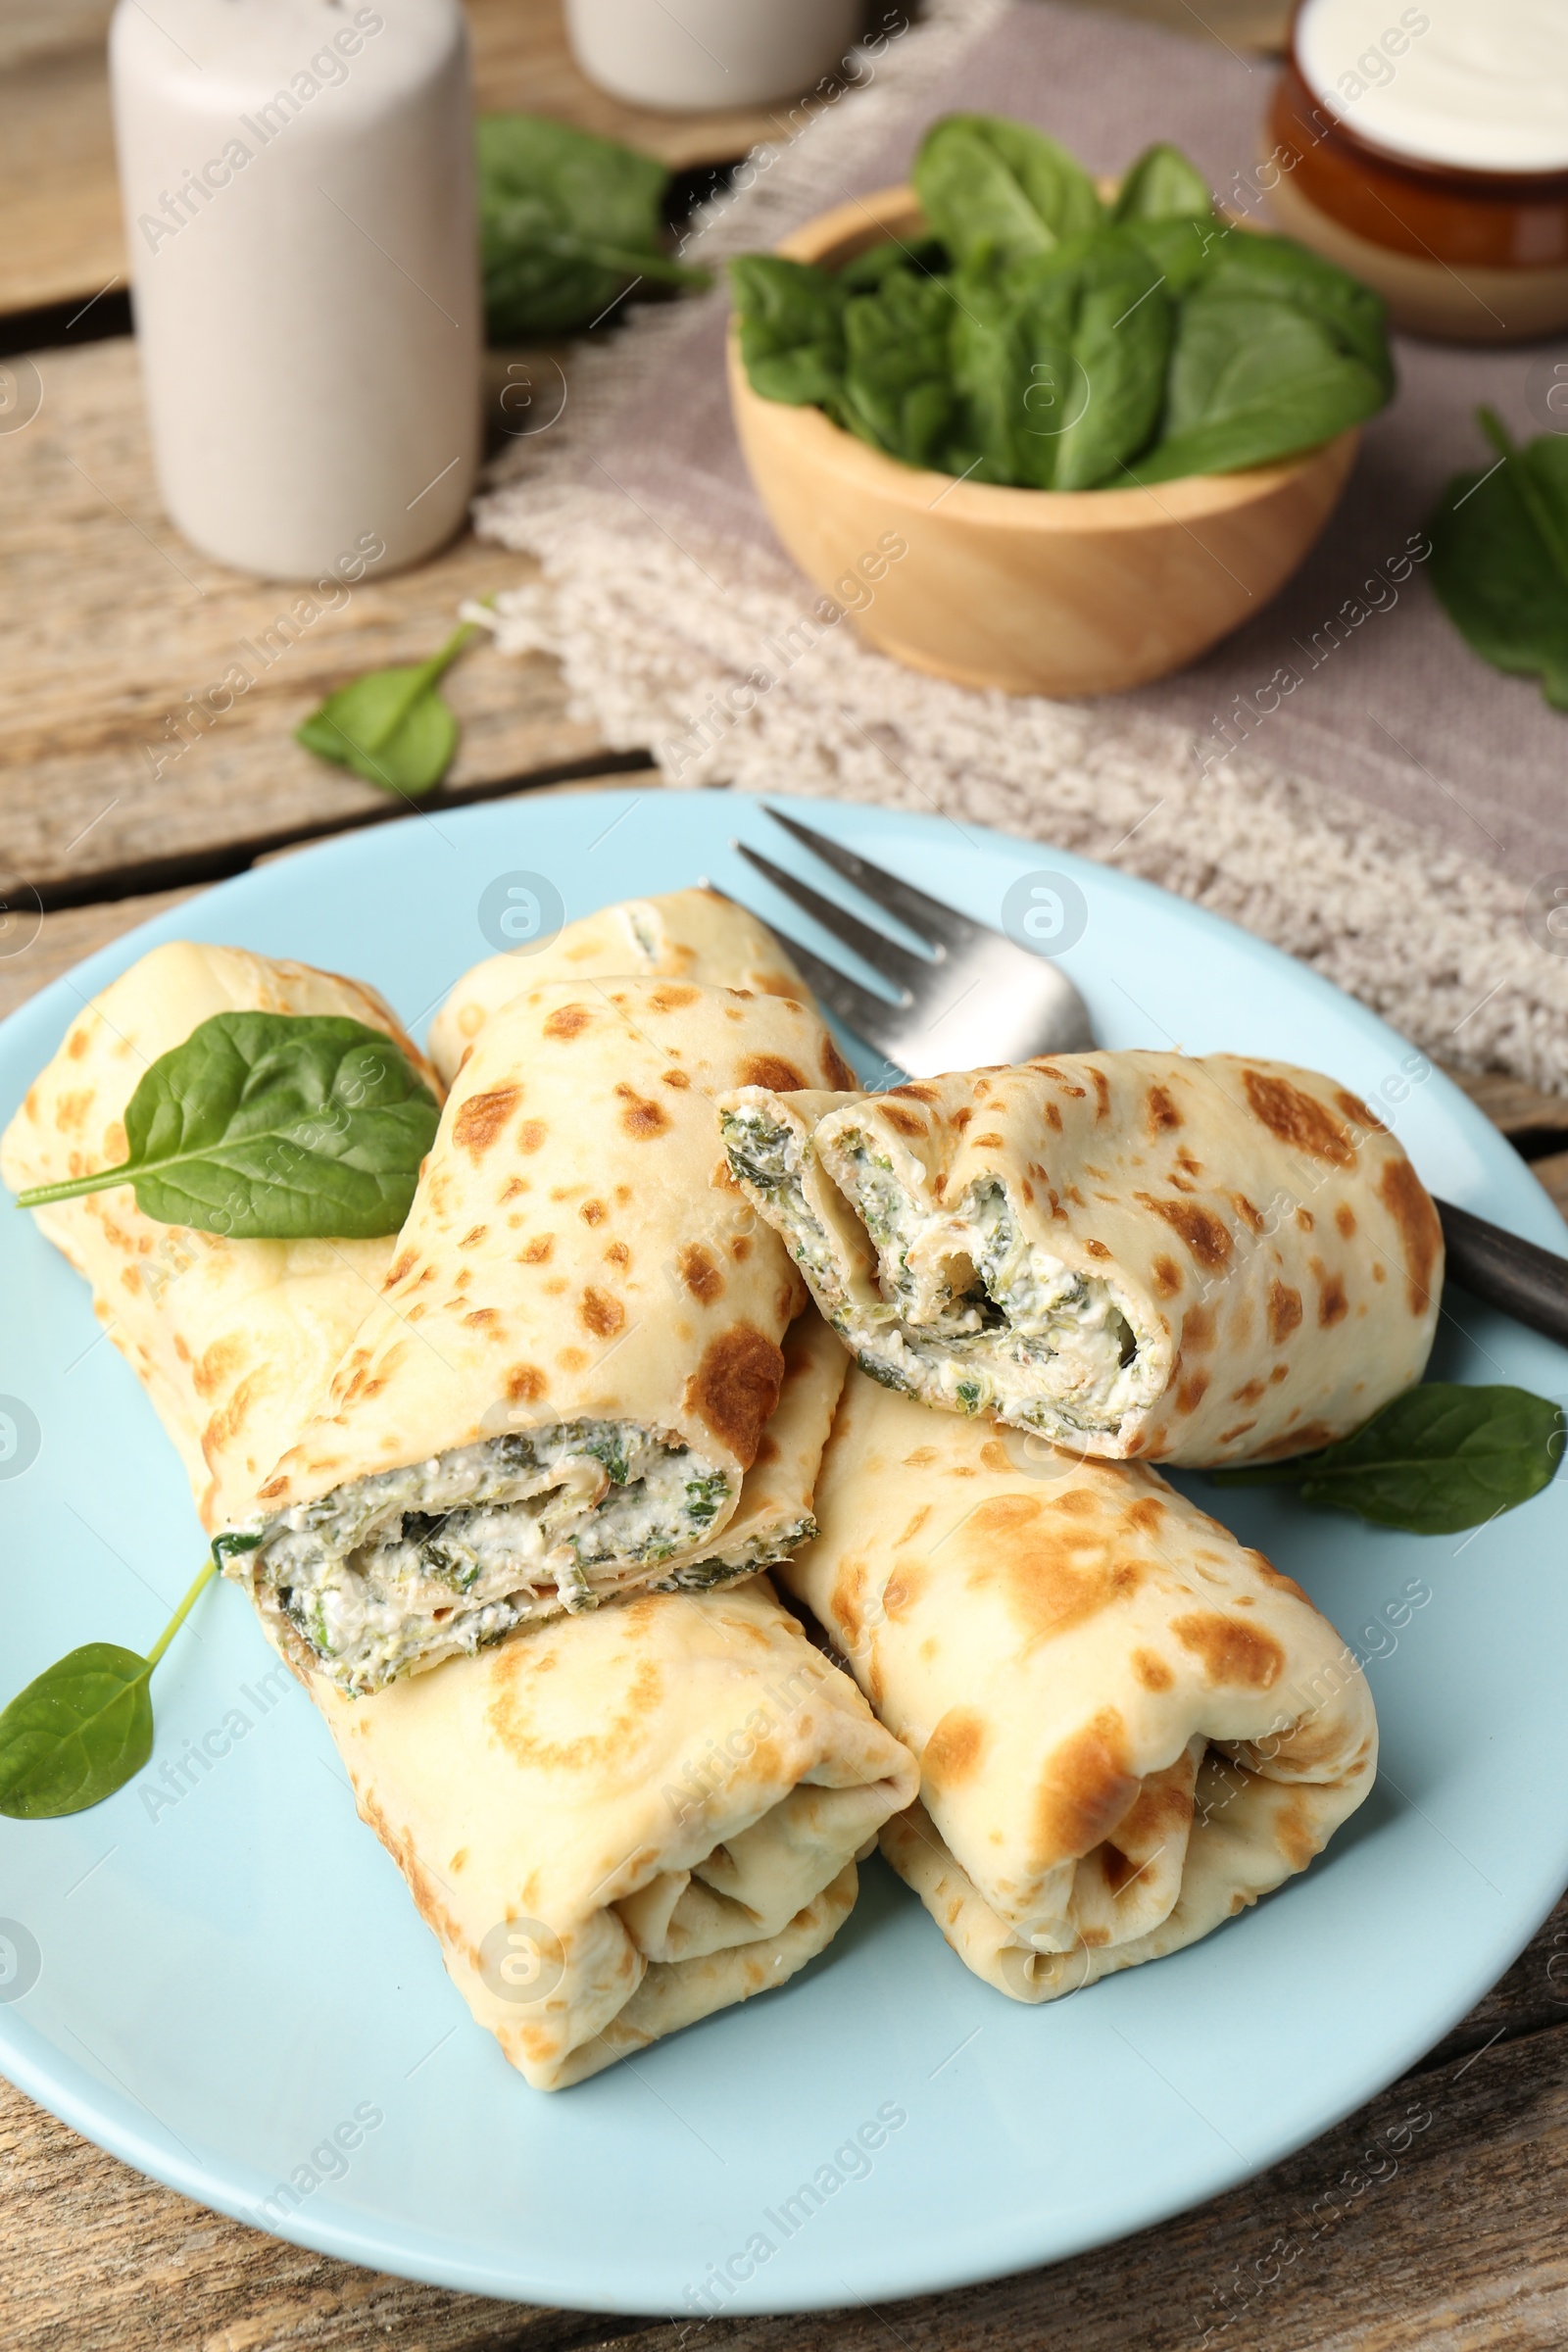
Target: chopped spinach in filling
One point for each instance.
(401, 1569)
(970, 1313)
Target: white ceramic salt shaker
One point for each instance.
(710, 53)
(298, 185)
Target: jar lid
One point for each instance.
(1476, 85)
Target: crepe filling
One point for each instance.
(394, 1571)
(970, 1314)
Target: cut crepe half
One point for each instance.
(1078, 1656)
(687, 935)
(1193, 1260)
(228, 1337)
(618, 1826)
(578, 1347)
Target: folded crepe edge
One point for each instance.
(1249, 1836)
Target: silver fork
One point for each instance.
(976, 1000)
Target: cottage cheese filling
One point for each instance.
(970, 1314)
(406, 1567)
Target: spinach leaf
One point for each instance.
(1252, 380)
(899, 392)
(1354, 318)
(1031, 340)
(924, 257)
(1178, 248)
(1499, 558)
(790, 328)
(85, 1726)
(1061, 361)
(995, 190)
(1162, 185)
(272, 1126)
(391, 726)
(567, 222)
(1438, 1458)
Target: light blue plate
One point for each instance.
(210, 1988)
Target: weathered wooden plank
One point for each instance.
(1518, 1109)
(1553, 1173)
(111, 627)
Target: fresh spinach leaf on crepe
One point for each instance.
(271, 1126)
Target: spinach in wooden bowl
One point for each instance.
(1041, 338)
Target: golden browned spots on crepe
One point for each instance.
(955, 1748)
(1198, 1331)
(736, 1387)
(1231, 1651)
(771, 1069)
(482, 1119)
(1297, 1118)
(1354, 1109)
(600, 1313)
(1206, 1237)
(1284, 1312)
(1086, 1789)
(642, 1118)
(701, 1271)
(1411, 1205)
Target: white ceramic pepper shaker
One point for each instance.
(710, 53)
(298, 185)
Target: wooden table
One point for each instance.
(107, 623)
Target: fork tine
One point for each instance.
(886, 957)
(871, 1017)
(941, 925)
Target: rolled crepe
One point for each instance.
(617, 1824)
(570, 1368)
(687, 935)
(1129, 1727)
(228, 1338)
(1191, 1260)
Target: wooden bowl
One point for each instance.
(1470, 256)
(1057, 591)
